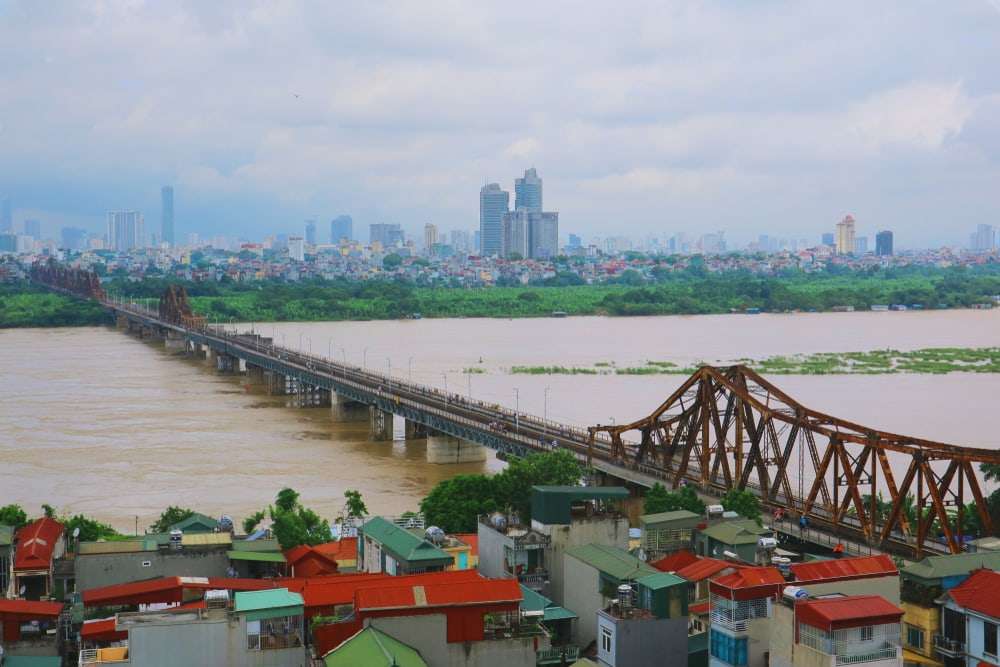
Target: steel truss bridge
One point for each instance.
(723, 428)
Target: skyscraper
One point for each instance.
(883, 243)
(167, 215)
(515, 234)
(73, 238)
(125, 230)
(543, 234)
(984, 239)
(388, 235)
(430, 236)
(341, 229)
(845, 236)
(296, 248)
(493, 203)
(575, 241)
(310, 232)
(33, 228)
(860, 245)
(528, 192)
(6, 219)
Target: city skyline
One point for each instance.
(691, 128)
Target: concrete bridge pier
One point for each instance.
(211, 357)
(381, 424)
(121, 322)
(274, 383)
(226, 363)
(344, 410)
(415, 430)
(442, 448)
(174, 341)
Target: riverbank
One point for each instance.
(876, 362)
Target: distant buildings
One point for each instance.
(341, 229)
(575, 241)
(33, 228)
(6, 219)
(528, 192)
(310, 232)
(883, 243)
(828, 239)
(430, 236)
(493, 204)
(860, 245)
(167, 215)
(388, 235)
(296, 248)
(73, 238)
(125, 230)
(845, 236)
(984, 239)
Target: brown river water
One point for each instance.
(95, 421)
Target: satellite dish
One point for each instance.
(76, 532)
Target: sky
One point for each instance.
(643, 118)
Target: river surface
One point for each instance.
(95, 421)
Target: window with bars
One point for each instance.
(914, 637)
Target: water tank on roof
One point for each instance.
(175, 539)
(793, 593)
(783, 564)
(498, 521)
(217, 599)
(713, 511)
(767, 543)
(434, 535)
(625, 596)
(226, 523)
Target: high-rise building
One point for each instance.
(296, 248)
(6, 219)
(8, 242)
(493, 203)
(984, 239)
(388, 235)
(828, 239)
(543, 234)
(125, 230)
(528, 192)
(33, 228)
(883, 243)
(575, 241)
(311, 232)
(515, 234)
(430, 236)
(341, 229)
(845, 236)
(167, 215)
(74, 238)
(460, 240)
(860, 245)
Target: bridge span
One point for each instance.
(722, 428)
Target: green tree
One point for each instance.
(657, 500)
(251, 522)
(354, 506)
(744, 503)
(454, 504)
(287, 500)
(391, 262)
(14, 516)
(513, 485)
(91, 530)
(293, 524)
(48, 511)
(169, 517)
(661, 500)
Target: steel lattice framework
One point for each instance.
(727, 428)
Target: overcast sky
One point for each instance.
(642, 118)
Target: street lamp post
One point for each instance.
(545, 413)
(445, 376)
(364, 359)
(517, 410)
(409, 364)
(388, 366)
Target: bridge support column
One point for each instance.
(211, 357)
(121, 322)
(174, 342)
(274, 382)
(381, 424)
(344, 410)
(254, 375)
(227, 364)
(443, 448)
(415, 430)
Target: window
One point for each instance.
(867, 633)
(914, 637)
(606, 638)
(727, 648)
(989, 638)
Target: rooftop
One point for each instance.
(401, 542)
(847, 612)
(257, 556)
(844, 568)
(662, 517)
(197, 523)
(375, 648)
(704, 568)
(660, 580)
(938, 567)
(675, 561)
(256, 545)
(475, 592)
(612, 561)
(29, 609)
(980, 593)
(749, 583)
(36, 544)
(274, 598)
(735, 531)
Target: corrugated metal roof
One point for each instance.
(114, 547)
(584, 492)
(206, 539)
(256, 545)
(102, 629)
(703, 569)
(31, 608)
(377, 649)
(699, 608)
(36, 543)
(735, 531)
(749, 583)
(481, 591)
(274, 598)
(402, 543)
(980, 593)
(844, 568)
(256, 556)
(197, 523)
(660, 580)
(845, 612)
(612, 561)
(938, 567)
(557, 613)
(667, 517)
(675, 561)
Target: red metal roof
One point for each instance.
(703, 569)
(167, 589)
(36, 543)
(847, 612)
(344, 549)
(844, 568)
(483, 591)
(472, 539)
(699, 608)
(29, 609)
(675, 561)
(980, 593)
(749, 583)
(102, 630)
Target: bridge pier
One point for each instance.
(381, 424)
(121, 322)
(415, 430)
(174, 341)
(226, 363)
(344, 410)
(211, 357)
(273, 382)
(442, 448)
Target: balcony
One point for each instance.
(534, 580)
(886, 652)
(103, 656)
(557, 655)
(952, 648)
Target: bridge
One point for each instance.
(723, 428)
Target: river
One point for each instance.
(95, 421)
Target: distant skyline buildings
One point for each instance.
(385, 234)
(167, 215)
(883, 243)
(845, 236)
(494, 202)
(6, 218)
(125, 230)
(341, 229)
(73, 238)
(528, 191)
(310, 232)
(984, 238)
(33, 228)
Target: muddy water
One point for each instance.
(94, 421)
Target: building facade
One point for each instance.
(126, 230)
(385, 234)
(845, 236)
(341, 229)
(494, 202)
(528, 192)
(167, 215)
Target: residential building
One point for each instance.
(126, 230)
(37, 546)
(73, 238)
(860, 245)
(257, 559)
(845, 236)
(528, 192)
(430, 237)
(666, 532)
(697, 572)
(984, 239)
(493, 204)
(307, 561)
(742, 606)
(6, 557)
(296, 248)
(592, 574)
(8, 243)
(373, 648)
(344, 552)
(970, 616)
(738, 536)
(515, 234)
(883, 243)
(167, 215)
(385, 547)
(836, 630)
(33, 228)
(509, 550)
(341, 229)
(861, 575)
(543, 235)
(29, 632)
(387, 235)
(645, 624)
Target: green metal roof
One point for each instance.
(551, 504)
(257, 556)
(661, 580)
(373, 648)
(256, 545)
(6, 535)
(668, 517)
(612, 561)
(196, 523)
(533, 600)
(584, 492)
(938, 567)
(735, 531)
(402, 543)
(557, 613)
(268, 603)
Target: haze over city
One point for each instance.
(761, 118)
